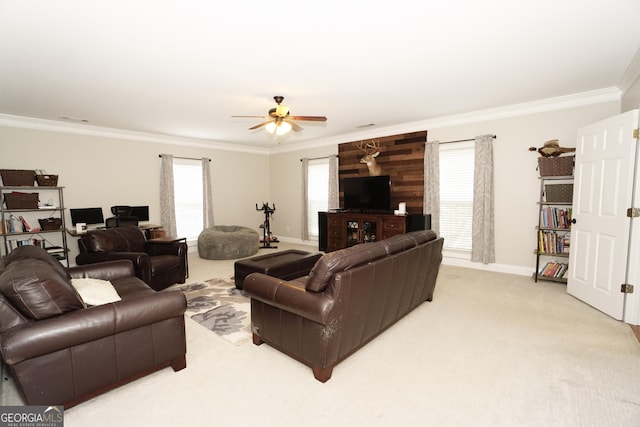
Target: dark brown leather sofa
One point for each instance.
(159, 263)
(60, 352)
(349, 297)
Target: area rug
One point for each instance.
(217, 305)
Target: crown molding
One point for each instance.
(609, 94)
(631, 74)
(82, 129)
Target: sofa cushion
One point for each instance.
(34, 252)
(95, 291)
(398, 243)
(9, 315)
(422, 236)
(121, 239)
(38, 289)
(344, 259)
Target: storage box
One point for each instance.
(556, 166)
(47, 180)
(50, 223)
(16, 200)
(17, 177)
(558, 193)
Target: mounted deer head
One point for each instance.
(371, 151)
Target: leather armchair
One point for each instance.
(159, 263)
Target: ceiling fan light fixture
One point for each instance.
(282, 111)
(279, 129)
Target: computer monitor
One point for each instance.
(140, 212)
(86, 216)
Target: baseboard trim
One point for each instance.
(497, 268)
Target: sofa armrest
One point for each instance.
(141, 261)
(108, 270)
(315, 306)
(166, 246)
(33, 339)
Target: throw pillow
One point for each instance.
(95, 291)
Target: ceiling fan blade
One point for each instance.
(294, 126)
(309, 118)
(260, 125)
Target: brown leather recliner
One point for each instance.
(60, 352)
(159, 263)
(350, 296)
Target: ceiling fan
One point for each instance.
(280, 121)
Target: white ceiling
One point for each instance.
(183, 67)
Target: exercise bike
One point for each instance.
(267, 237)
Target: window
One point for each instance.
(318, 191)
(187, 179)
(456, 195)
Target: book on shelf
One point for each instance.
(25, 225)
(553, 217)
(554, 269)
(553, 242)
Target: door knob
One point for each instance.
(573, 221)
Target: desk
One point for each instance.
(151, 231)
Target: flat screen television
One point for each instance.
(140, 212)
(86, 216)
(367, 193)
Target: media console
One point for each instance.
(344, 229)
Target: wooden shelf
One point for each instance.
(548, 234)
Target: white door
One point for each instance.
(603, 190)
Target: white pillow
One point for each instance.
(95, 291)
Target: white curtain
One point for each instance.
(167, 200)
(207, 196)
(483, 230)
(305, 200)
(334, 197)
(431, 204)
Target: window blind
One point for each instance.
(456, 195)
(318, 191)
(187, 178)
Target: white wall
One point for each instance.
(286, 189)
(516, 177)
(100, 171)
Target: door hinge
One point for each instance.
(633, 212)
(626, 288)
(636, 133)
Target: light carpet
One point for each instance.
(217, 305)
(490, 350)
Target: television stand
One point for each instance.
(346, 229)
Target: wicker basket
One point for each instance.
(17, 177)
(47, 180)
(556, 166)
(16, 200)
(50, 223)
(558, 193)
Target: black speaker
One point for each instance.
(418, 222)
(322, 231)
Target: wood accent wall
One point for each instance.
(401, 157)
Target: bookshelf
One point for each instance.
(20, 225)
(554, 228)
